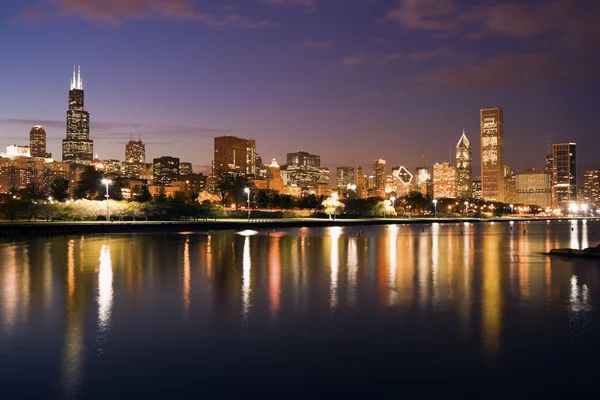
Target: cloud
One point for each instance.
(318, 44)
(435, 53)
(430, 15)
(374, 58)
(116, 12)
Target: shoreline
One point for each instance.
(20, 229)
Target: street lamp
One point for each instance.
(247, 191)
(107, 182)
(467, 207)
(435, 208)
(393, 199)
(511, 208)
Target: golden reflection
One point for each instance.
(10, 295)
(209, 256)
(274, 275)
(523, 265)
(246, 264)
(186, 277)
(352, 271)
(105, 288)
(48, 277)
(393, 260)
(71, 268)
(334, 235)
(491, 296)
(435, 261)
(424, 257)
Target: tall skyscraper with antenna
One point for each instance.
(77, 148)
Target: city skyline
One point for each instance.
(292, 87)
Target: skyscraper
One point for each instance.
(464, 168)
(274, 181)
(564, 174)
(444, 181)
(345, 177)
(135, 158)
(533, 188)
(165, 170)
(492, 154)
(77, 148)
(304, 169)
(37, 142)
(591, 183)
(380, 175)
(361, 190)
(234, 155)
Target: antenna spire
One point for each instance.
(79, 80)
(73, 81)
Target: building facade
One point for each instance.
(234, 155)
(304, 169)
(77, 148)
(564, 174)
(361, 188)
(492, 154)
(379, 177)
(444, 181)
(591, 187)
(534, 188)
(464, 168)
(345, 176)
(37, 142)
(135, 159)
(274, 181)
(165, 170)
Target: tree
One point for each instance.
(60, 189)
(89, 183)
(231, 188)
(141, 194)
(332, 206)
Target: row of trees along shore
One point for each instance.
(89, 203)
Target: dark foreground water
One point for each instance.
(396, 311)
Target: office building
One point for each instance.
(185, 168)
(464, 168)
(510, 186)
(476, 187)
(304, 169)
(234, 155)
(37, 142)
(379, 176)
(492, 154)
(274, 181)
(591, 188)
(345, 177)
(564, 174)
(135, 159)
(534, 188)
(165, 170)
(361, 188)
(77, 148)
(444, 181)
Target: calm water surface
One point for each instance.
(396, 311)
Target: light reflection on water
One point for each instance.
(99, 296)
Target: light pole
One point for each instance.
(107, 182)
(434, 208)
(511, 208)
(467, 207)
(247, 191)
(393, 199)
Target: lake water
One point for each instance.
(385, 311)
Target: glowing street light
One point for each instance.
(247, 191)
(511, 208)
(467, 207)
(107, 182)
(435, 208)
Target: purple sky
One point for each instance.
(350, 80)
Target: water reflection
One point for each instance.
(475, 283)
(186, 277)
(246, 264)
(105, 289)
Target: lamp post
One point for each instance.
(247, 191)
(435, 208)
(511, 208)
(467, 207)
(393, 199)
(107, 182)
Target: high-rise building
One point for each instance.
(37, 142)
(165, 170)
(304, 158)
(423, 180)
(549, 164)
(444, 181)
(135, 159)
(361, 189)
(304, 169)
(380, 176)
(234, 155)
(534, 188)
(477, 188)
(464, 168)
(345, 177)
(274, 181)
(77, 148)
(185, 168)
(510, 186)
(564, 174)
(591, 184)
(492, 154)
